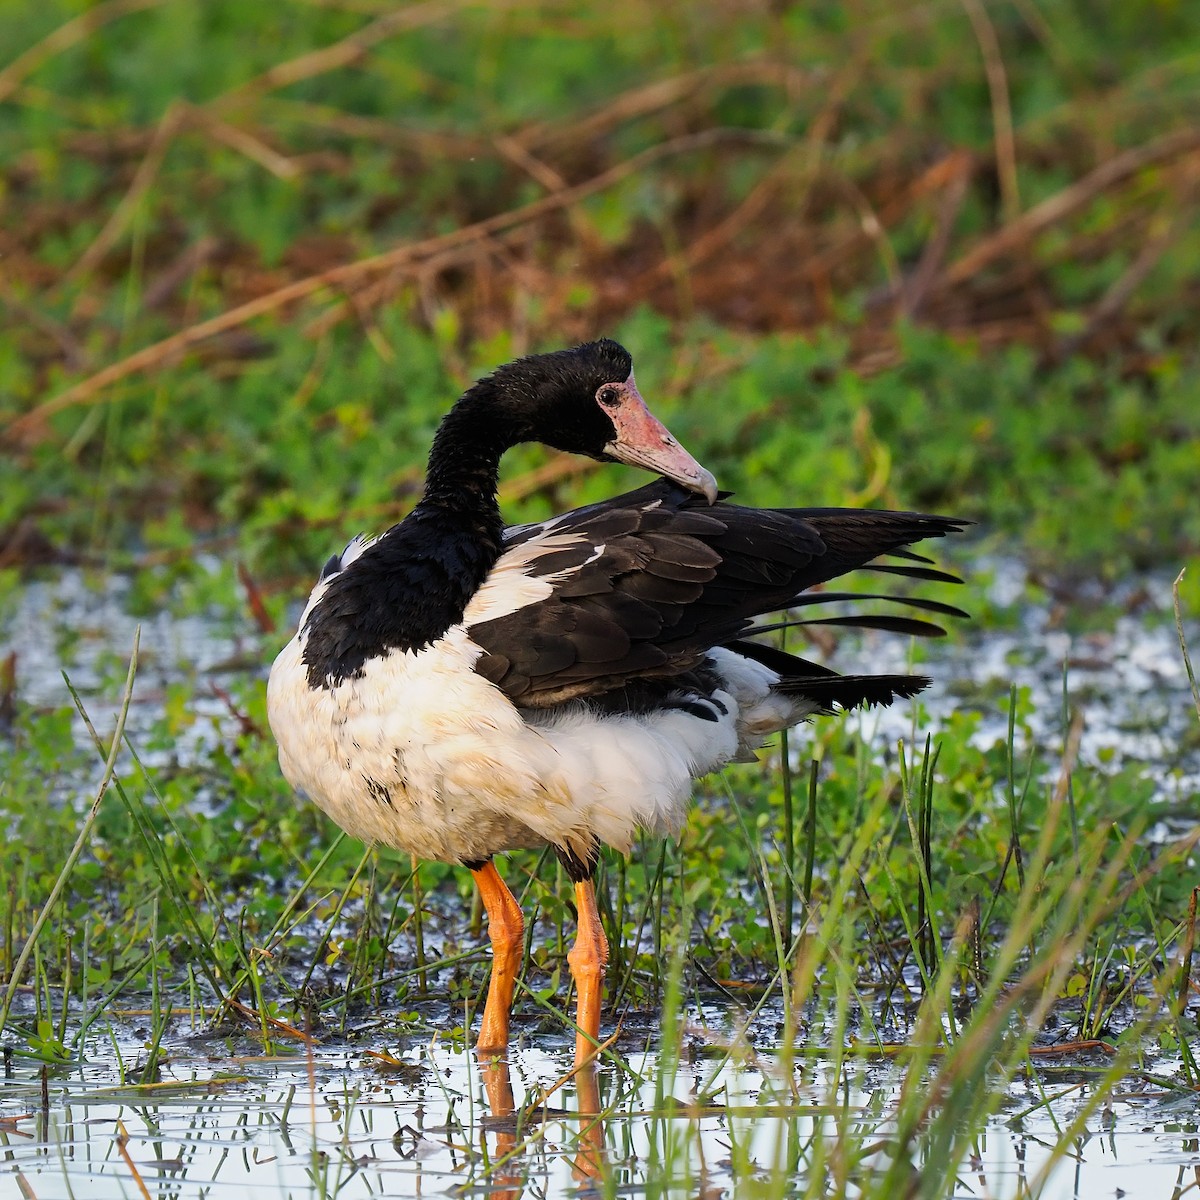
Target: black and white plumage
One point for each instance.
(457, 689)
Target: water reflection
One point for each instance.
(435, 1121)
(588, 1163)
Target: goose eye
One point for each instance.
(609, 396)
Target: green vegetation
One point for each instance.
(942, 258)
(266, 249)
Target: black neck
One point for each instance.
(464, 465)
(405, 591)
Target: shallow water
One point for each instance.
(332, 1123)
(78, 624)
(1126, 678)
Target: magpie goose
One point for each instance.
(457, 689)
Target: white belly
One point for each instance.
(423, 754)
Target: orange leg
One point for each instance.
(507, 1184)
(589, 1161)
(587, 959)
(506, 929)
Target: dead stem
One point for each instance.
(350, 49)
(1002, 122)
(1070, 199)
(121, 216)
(30, 425)
(69, 34)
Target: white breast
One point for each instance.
(421, 753)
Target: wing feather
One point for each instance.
(642, 586)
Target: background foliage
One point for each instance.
(937, 254)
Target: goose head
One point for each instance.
(585, 401)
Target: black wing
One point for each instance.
(644, 584)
